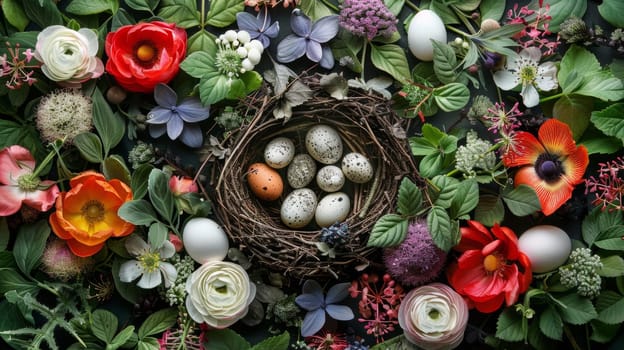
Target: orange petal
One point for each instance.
(525, 150)
(82, 250)
(57, 228)
(85, 176)
(551, 195)
(557, 137)
(574, 166)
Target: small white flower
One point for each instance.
(247, 65)
(230, 35)
(243, 36)
(149, 264)
(242, 52)
(254, 56)
(524, 69)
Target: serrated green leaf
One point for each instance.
(148, 343)
(104, 325)
(451, 97)
(610, 307)
(522, 200)
(409, 198)
(278, 342)
(441, 229)
(388, 231)
(560, 10)
(157, 234)
(10, 280)
(114, 167)
(602, 332)
(142, 5)
(492, 9)
(509, 326)
(91, 7)
(490, 210)
(578, 310)
(444, 62)
(109, 125)
(89, 146)
(181, 12)
(202, 41)
(29, 245)
(550, 323)
(226, 339)
(610, 120)
(139, 180)
(137, 212)
(391, 59)
(597, 142)
(315, 9)
(421, 146)
(122, 337)
(222, 13)
(574, 57)
(598, 221)
(465, 199)
(442, 190)
(611, 238)
(612, 266)
(431, 165)
(14, 14)
(575, 111)
(158, 322)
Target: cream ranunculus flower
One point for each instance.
(219, 294)
(434, 317)
(68, 56)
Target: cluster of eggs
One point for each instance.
(324, 146)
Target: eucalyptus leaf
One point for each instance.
(89, 146)
(222, 13)
(390, 230)
(451, 97)
(29, 245)
(181, 12)
(391, 59)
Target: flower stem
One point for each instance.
(549, 98)
(412, 5)
(571, 338)
(44, 163)
(363, 59)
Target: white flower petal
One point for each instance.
(529, 94)
(506, 80)
(192, 311)
(136, 246)
(169, 272)
(129, 271)
(533, 53)
(547, 77)
(150, 280)
(167, 250)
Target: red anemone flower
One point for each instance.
(552, 165)
(491, 269)
(142, 55)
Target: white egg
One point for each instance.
(357, 168)
(204, 240)
(330, 178)
(279, 152)
(547, 246)
(298, 208)
(301, 171)
(324, 144)
(332, 208)
(423, 27)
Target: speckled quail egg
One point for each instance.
(332, 208)
(330, 178)
(279, 152)
(298, 208)
(324, 144)
(301, 171)
(357, 168)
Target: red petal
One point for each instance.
(472, 238)
(551, 195)
(491, 247)
(489, 305)
(509, 239)
(525, 150)
(557, 137)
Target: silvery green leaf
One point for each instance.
(335, 84)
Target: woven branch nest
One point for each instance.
(367, 124)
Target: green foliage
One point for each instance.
(29, 245)
(444, 231)
(227, 339)
(610, 307)
(160, 194)
(550, 323)
(560, 10)
(138, 183)
(575, 309)
(137, 212)
(451, 97)
(158, 322)
(610, 120)
(143, 5)
(391, 59)
(157, 234)
(492, 9)
(109, 125)
(436, 147)
(490, 210)
(597, 222)
(509, 325)
(114, 167)
(92, 7)
(89, 146)
(444, 62)
(43, 12)
(410, 199)
(522, 200)
(14, 14)
(181, 12)
(315, 9)
(222, 13)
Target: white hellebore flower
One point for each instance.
(149, 264)
(68, 56)
(524, 69)
(434, 317)
(219, 294)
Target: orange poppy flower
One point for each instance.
(552, 165)
(86, 215)
(491, 269)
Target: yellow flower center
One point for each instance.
(491, 263)
(93, 212)
(145, 52)
(150, 261)
(528, 74)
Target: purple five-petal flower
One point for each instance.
(177, 120)
(317, 305)
(308, 38)
(259, 27)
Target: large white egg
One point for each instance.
(357, 168)
(332, 208)
(330, 178)
(423, 27)
(298, 208)
(301, 171)
(204, 240)
(547, 246)
(279, 152)
(324, 144)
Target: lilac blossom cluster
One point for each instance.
(367, 18)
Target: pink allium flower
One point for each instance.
(19, 183)
(417, 260)
(367, 18)
(180, 185)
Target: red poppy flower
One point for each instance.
(552, 165)
(491, 269)
(143, 55)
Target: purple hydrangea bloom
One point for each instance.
(367, 18)
(177, 120)
(317, 304)
(259, 27)
(308, 38)
(417, 260)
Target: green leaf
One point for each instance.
(122, 337)
(421, 146)
(348, 45)
(142, 5)
(14, 14)
(222, 13)
(160, 194)
(128, 291)
(442, 9)
(610, 120)
(44, 13)
(89, 146)
(603, 86)
(597, 142)
(431, 165)
(10, 279)
(202, 41)
(465, 199)
(138, 183)
(443, 233)
(390, 230)
(121, 18)
(395, 6)
(391, 59)
(226, 339)
(560, 10)
(611, 10)
(598, 221)
(158, 322)
(114, 167)
(492, 9)
(451, 97)
(550, 323)
(509, 326)
(213, 88)
(137, 212)
(91, 7)
(148, 343)
(612, 266)
(315, 9)
(444, 62)
(490, 210)
(109, 125)
(602, 332)
(610, 306)
(442, 190)
(5, 235)
(278, 342)
(410, 198)
(104, 325)
(157, 234)
(181, 12)
(611, 238)
(576, 56)
(29, 245)
(522, 200)
(575, 111)
(578, 310)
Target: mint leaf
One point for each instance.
(611, 238)
(610, 120)
(104, 325)
(390, 230)
(409, 198)
(158, 322)
(444, 232)
(465, 199)
(442, 190)
(391, 59)
(598, 221)
(509, 326)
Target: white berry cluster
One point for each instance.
(237, 53)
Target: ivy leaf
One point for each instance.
(158, 322)
(137, 212)
(610, 120)
(391, 59)
(577, 311)
(451, 97)
(181, 12)
(490, 210)
(509, 326)
(444, 62)
(278, 342)
(598, 221)
(444, 233)
(14, 14)
(315, 9)
(222, 13)
(560, 10)
(574, 110)
(522, 200)
(465, 199)
(104, 325)
(89, 146)
(612, 266)
(390, 230)
(226, 339)
(409, 198)
(550, 323)
(29, 245)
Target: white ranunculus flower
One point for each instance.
(434, 317)
(219, 294)
(68, 56)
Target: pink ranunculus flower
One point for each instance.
(20, 185)
(180, 185)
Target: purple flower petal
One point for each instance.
(175, 127)
(314, 51)
(165, 96)
(264, 40)
(337, 293)
(327, 61)
(291, 48)
(325, 29)
(273, 30)
(157, 130)
(300, 23)
(313, 322)
(159, 115)
(192, 111)
(246, 21)
(192, 135)
(339, 312)
(309, 302)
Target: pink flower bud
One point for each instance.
(180, 185)
(176, 241)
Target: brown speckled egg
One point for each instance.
(264, 182)
(324, 144)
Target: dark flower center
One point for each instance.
(548, 167)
